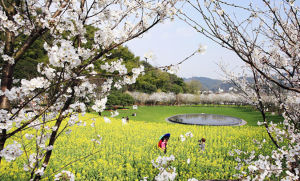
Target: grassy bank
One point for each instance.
(160, 113)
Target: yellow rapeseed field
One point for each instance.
(126, 151)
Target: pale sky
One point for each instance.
(171, 42)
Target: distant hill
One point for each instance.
(211, 84)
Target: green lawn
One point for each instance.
(160, 113)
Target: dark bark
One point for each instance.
(7, 69)
(261, 107)
(6, 82)
(2, 141)
(54, 133)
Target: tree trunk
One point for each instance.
(51, 143)
(6, 81)
(2, 141)
(54, 134)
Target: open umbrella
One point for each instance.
(161, 139)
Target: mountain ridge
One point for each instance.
(211, 84)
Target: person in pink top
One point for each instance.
(164, 144)
(163, 141)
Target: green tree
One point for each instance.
(113, 100)
(145, 87)
(126, 100)
(174, 88)
(156, 79)
(150, 82)
(194, 86)
(118, 98)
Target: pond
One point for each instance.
(206, 119)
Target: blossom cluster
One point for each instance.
(49, 103)
(65, 175)
(166, 172)
(269, 80)
(204, 98)
(11, 151)
(264, 166)
(187, 135)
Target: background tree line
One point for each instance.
(153, 80)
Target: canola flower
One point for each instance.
(126, 152)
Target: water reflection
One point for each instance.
(205, 119)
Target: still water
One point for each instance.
(205, 119)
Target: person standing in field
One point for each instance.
(163, 141)
(164, 145)
(124, 121)
(202, 144)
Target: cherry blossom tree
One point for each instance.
(171, 98)
(265, 35)
(162, 97)
(76, 35)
